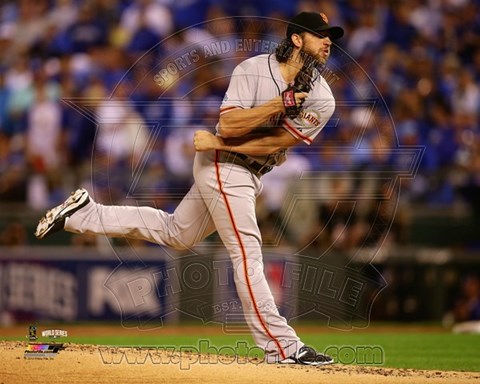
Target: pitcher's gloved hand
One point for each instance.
(294, 96)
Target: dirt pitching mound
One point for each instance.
(99, 364)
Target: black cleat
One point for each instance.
(308, 356)
(54, 220)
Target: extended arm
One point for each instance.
(254, 145)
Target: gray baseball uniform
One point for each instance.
(223, 199)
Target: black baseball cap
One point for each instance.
(313, 22)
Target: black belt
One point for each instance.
(257, 168)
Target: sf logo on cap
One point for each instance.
(324, 17)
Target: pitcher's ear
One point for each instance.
(297, 40)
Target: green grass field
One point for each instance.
(431, 351)
(402, 347)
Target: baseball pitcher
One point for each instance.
(273, 102)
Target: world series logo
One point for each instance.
(43, 350)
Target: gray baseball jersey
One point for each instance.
(258, 80)
(223, 199)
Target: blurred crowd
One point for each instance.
(66, 65)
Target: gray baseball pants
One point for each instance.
(222, 199)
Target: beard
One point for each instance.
(310, 59)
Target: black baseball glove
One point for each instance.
(303, 83)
